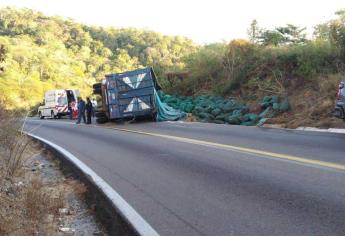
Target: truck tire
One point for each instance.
(97, 88)
(154, 116)
(101, 120)
(97, 91)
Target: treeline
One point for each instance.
(273, 61)
(39, 53)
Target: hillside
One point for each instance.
(281, 62)
(39, 53)
(43, 52)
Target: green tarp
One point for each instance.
(166, 112)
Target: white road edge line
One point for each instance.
(329, 130)
(132, 216)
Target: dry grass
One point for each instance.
(25, 212)
(24, 201)
(12, 145)
(34, 196)
(190, 118)
(312, 105)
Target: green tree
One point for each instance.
(292, 33)
(337, 31)
(333, 31)
(124, 62)
(51, 52)
(289, 34)
(271, 37)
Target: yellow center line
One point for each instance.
(233, 148)
(238, 149)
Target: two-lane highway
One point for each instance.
(205, 179)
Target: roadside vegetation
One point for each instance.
(35, 197)
(39, 52)
(280, 61)
(18, 212)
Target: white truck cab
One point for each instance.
(56, 103)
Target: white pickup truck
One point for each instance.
(56, 103)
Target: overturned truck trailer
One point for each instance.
(127, 95)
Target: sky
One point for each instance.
(204, 21)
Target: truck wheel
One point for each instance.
(154, 116)
(40, 115)
(101, 120)
(52, 115)
(97, 88)
(97, 91)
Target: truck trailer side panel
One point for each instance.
(131, 94)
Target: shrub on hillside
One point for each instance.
(239, 63)
(205, 67)
(224, 68)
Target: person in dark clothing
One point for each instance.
(88, 110)
(81, 110)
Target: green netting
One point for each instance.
(216, 111)
(166, 112)
(276, 106)
(219, 110)
(222, 116)
(250, 117)
(248, 123)
(218, 121)
(284, 106)
(233, 120)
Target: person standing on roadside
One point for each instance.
(81, 110)
(94, 106)
(88, 110)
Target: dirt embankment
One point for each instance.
(312, 104)
(311, 101)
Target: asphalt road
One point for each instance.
(206, 179)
